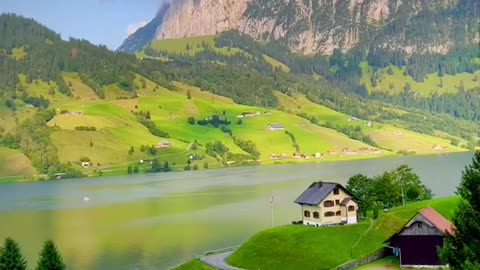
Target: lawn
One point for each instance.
(194, 264)
(298, 247)
(305, 247)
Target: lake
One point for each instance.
(157, 221)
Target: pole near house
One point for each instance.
(271, 207)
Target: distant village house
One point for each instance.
(248, 114)
(85, 164)
(327, 204)
(274, 127)
(417, 243)
(163, 144)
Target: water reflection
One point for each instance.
(156, 221)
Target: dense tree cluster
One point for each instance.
(462, 246)
(392, 188)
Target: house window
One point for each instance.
(328, 204)
(338, 213)
(316, 215)
(337, 202)
(420, 224)
(329, 214)
(336, 191)
(351, 208)
(306, 213)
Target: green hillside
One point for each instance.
(14, 163)
(210, 102)
(393, 80)
(306, 247)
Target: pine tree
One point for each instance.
(50, 258)
(462, 247)
(11, 257)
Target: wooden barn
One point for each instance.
(416, 244)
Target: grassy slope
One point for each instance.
(179, 46)
(430, 85)
(118, 128)
(305, 247)
(385, 135)
(194, 264)
(13, 162)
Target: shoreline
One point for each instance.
(290, 161)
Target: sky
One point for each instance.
(106, 22)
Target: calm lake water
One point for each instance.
(157, 221)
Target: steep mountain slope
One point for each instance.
(144, 35)
(315, 26)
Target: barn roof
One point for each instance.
(437, 220)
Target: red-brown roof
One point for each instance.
(437, 220)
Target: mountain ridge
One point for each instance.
(318, 27)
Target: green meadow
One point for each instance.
(117, 129)
(306, 247)
(395, 82)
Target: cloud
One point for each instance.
(132, 28)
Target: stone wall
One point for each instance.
(365, 260)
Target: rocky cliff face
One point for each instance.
(136, 41)
(322, 26)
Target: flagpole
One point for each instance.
(271, 208)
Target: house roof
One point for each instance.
(316, 193)
(437, 220)
(275, 126)
(433, 218)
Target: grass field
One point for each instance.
(192, 46)
(387, 136)
(13, 162)
(305, 247)
(117, 127)
(433, 83)
(194, 264)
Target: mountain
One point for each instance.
(204, 104)
(145, 34)
(321, 27)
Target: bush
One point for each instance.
(85, 128)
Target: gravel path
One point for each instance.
(218, 261)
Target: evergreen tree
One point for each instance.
(11, 257)
(50, 258)
(462, 246)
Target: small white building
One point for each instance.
(274, 127)
(85, 164)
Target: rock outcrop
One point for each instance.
(323, 26)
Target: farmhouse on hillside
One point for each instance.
(327, 204)
(163, 144)
(418, 241)
(273, 127)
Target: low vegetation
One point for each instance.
(194, 264)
